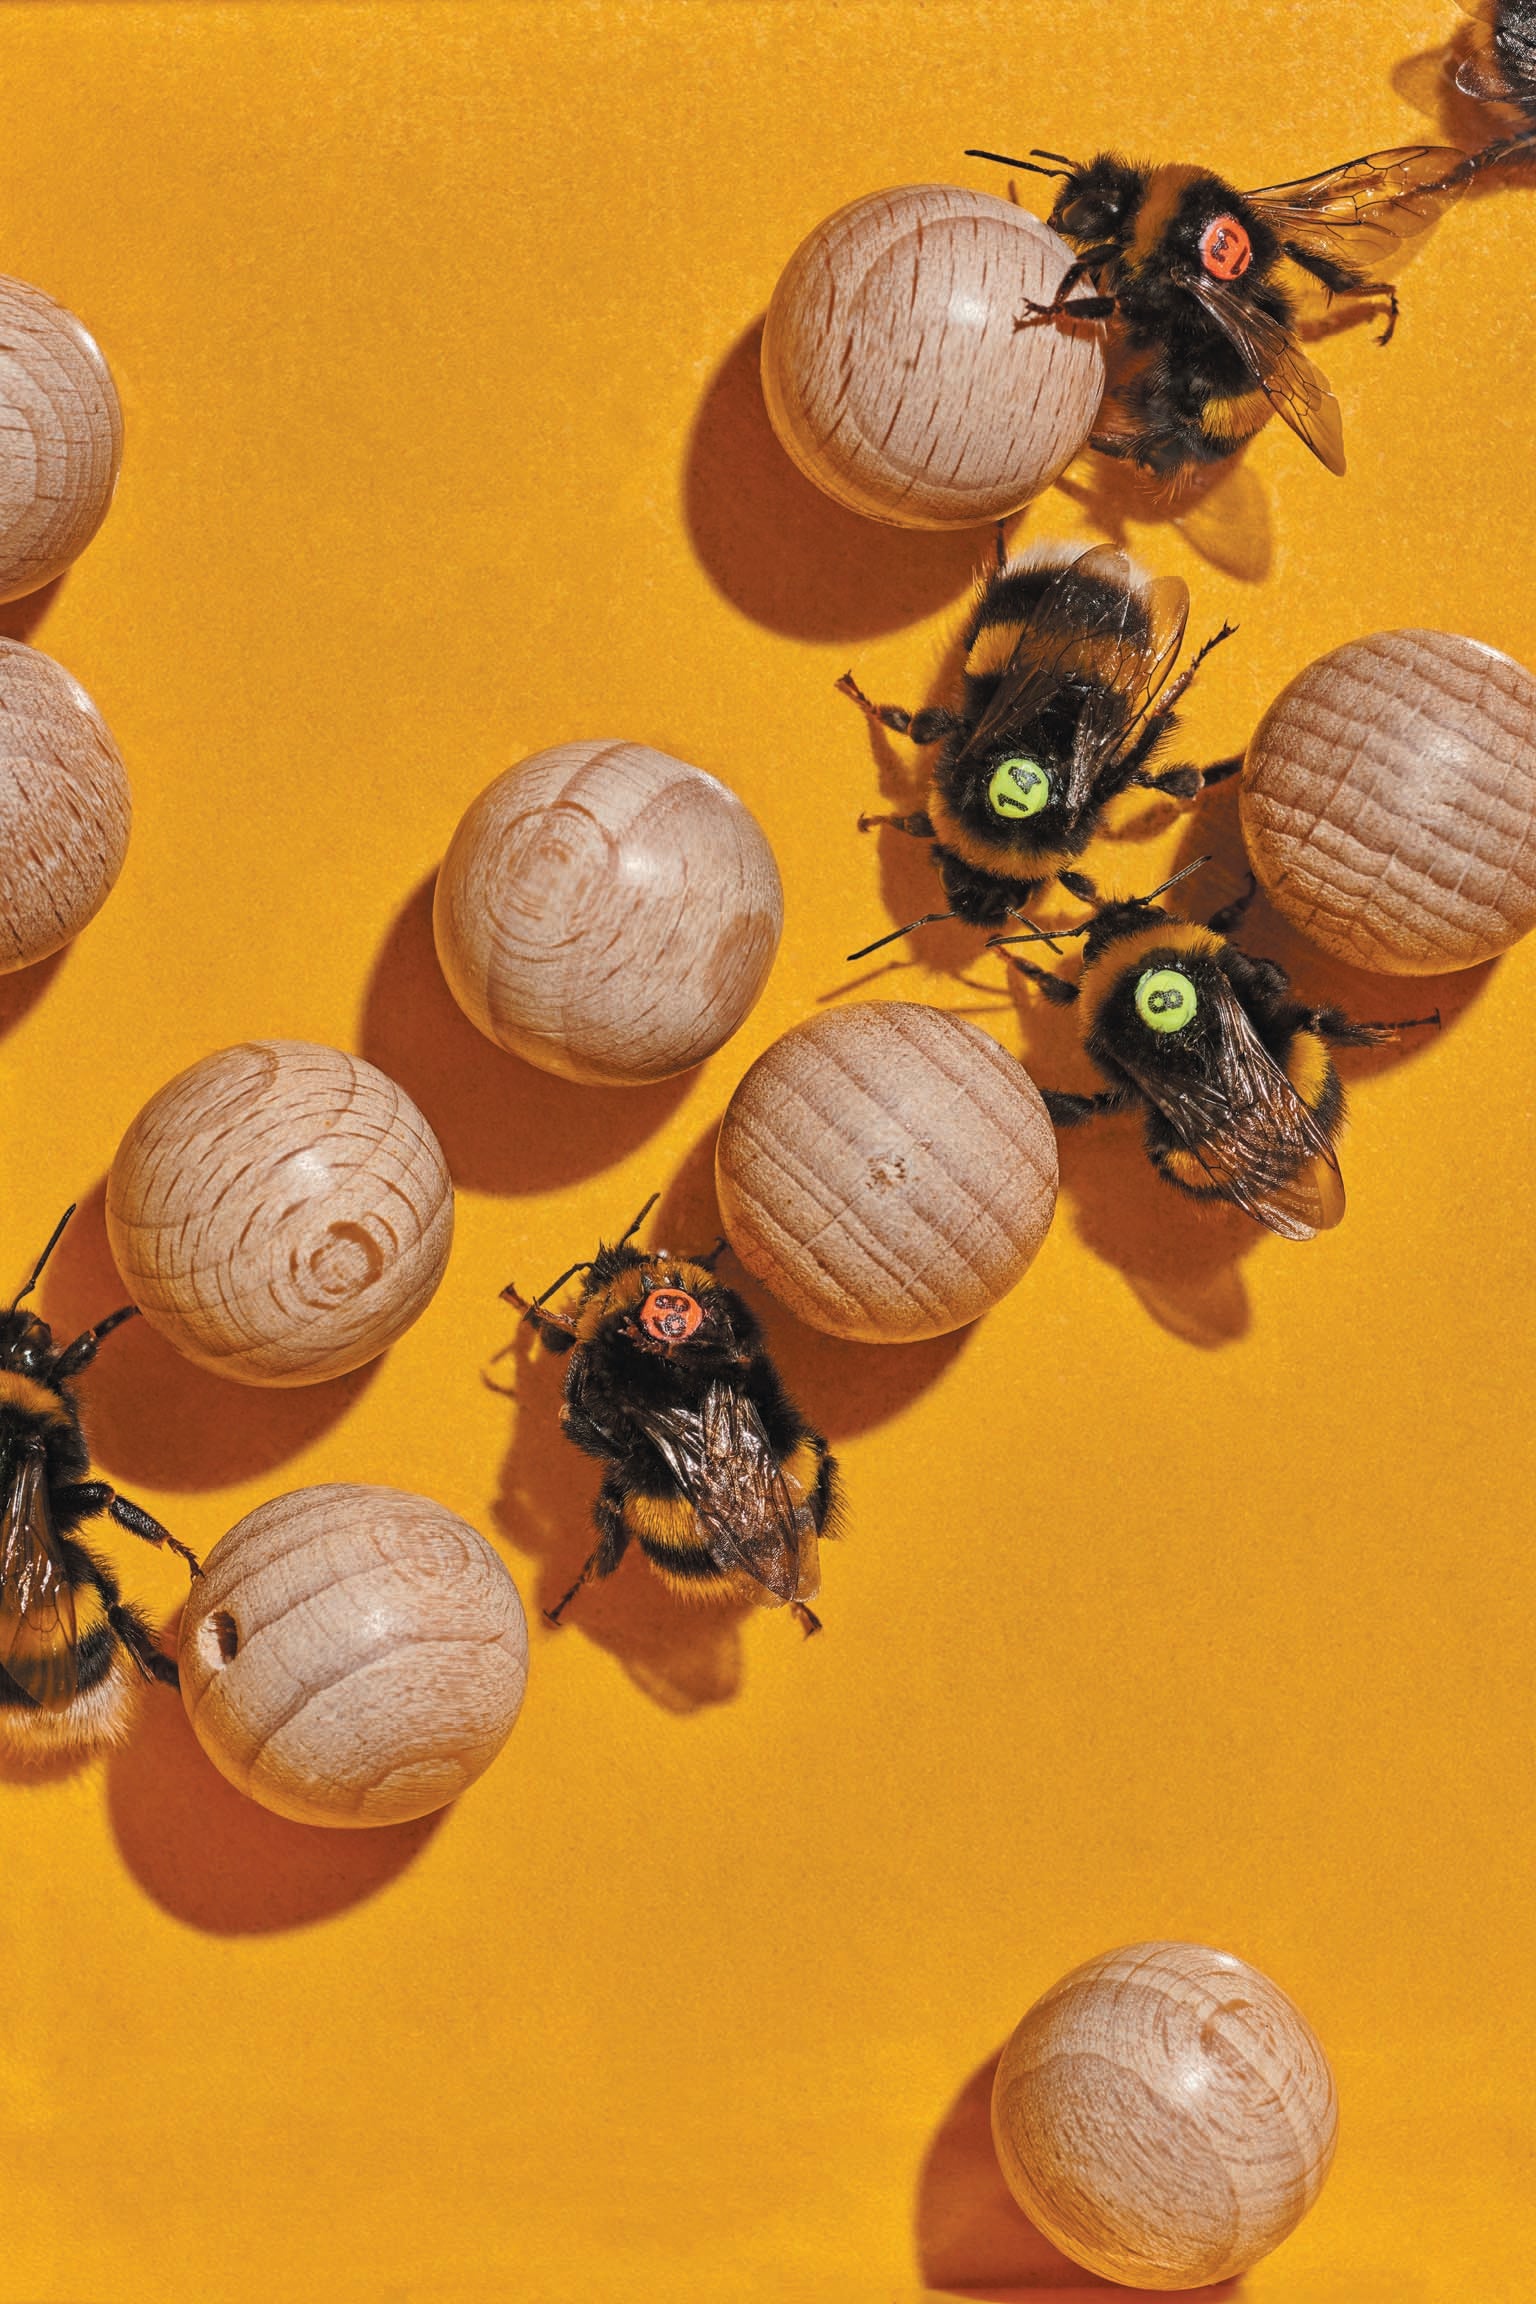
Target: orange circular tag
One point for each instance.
(1225, 249)
(669, 1315)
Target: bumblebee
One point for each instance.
(708, 1465)
(1062, 708)
(72, 1650)
(1234, 1077)
(1501, 70)
(1201, 286)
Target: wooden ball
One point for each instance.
(887, 1170)
(1164, 2115)
(894, 374)
(65, 809)
(353, 1655)
(607, 913)
(61, 438)
(1389, 802)
(280, 1212)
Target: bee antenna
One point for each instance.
(1004, 160)
(57, 1235)
(1040, 935)
(1198, 864)
(558, 1284)
(926, 921)
(639, 1220)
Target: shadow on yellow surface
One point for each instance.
(218, 1861)
(974, 2240)
(19, 619)
(504, 1126)
(21, 991)
(784, 553)
(150, 1415)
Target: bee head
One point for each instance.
(26, 1343)
(1096, 204)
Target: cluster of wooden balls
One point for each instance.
(282, 1212)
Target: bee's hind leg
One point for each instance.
(86, 1498)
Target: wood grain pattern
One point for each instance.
(280, 1211)
(65, 808)
(1165, 2115)
(353, 1655)
(1389, 802)
(61, 438)
(608, 913)
(887, 1170)
(894, 374)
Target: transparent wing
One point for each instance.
(37, 1604)
(1250, 1131)
(724, 1465)
(1359, 212)
(1095, 623)
(1285, 375)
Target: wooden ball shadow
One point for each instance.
(19, 619)
(152, 1416)
(784, 553)
(504, 1126)
(21, 990)
(972, 2237)
(220, 1862)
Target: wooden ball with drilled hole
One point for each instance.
(353, 1655)
(1164, 2115)
(280, 1212)
(61, 438)
(887, 1170)
(1389, 802)
(894, 373)
(65, 809)
(607, 913)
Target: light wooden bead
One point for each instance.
(1389, 802)
(280, 1212)
(894, 373)
(887, 1170)
(61, 438)
(353, 1655)
(607, 913)
(1164, 2115)
(65, 809)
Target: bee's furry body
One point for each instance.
(73, 1653)
(708, 1466)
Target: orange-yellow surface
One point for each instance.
(1188, 1594)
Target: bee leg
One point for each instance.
(613, 1541)
(83, 1351)
(558, 1333)
(1229, 917)
(918, 825)
(712, 1259)
(1056, 989)
(1079, 885)
(85, 1498)
(136, 1637)
(1086, 307)
(806, 1618)
(1068, 1110)
(1000, 546)
(1333, 1025)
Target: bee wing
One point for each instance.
(1357, 213)
(37, 1603)
(1250, 1131)
(1096, 612)
(721, 1458)
(1287, 377)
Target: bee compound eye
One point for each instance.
(1019, 787)
(1165, 999)
(670, 1315)
(1225, 248)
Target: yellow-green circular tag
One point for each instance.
(1019, 788)
(1165, 999)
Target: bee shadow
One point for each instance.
(151, 1416)
(1222, 511)
(1427, 81)
(974, 2240)
(220, 1862)
(504, 1126)
(781, 551)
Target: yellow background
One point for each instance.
(1187, 1594)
